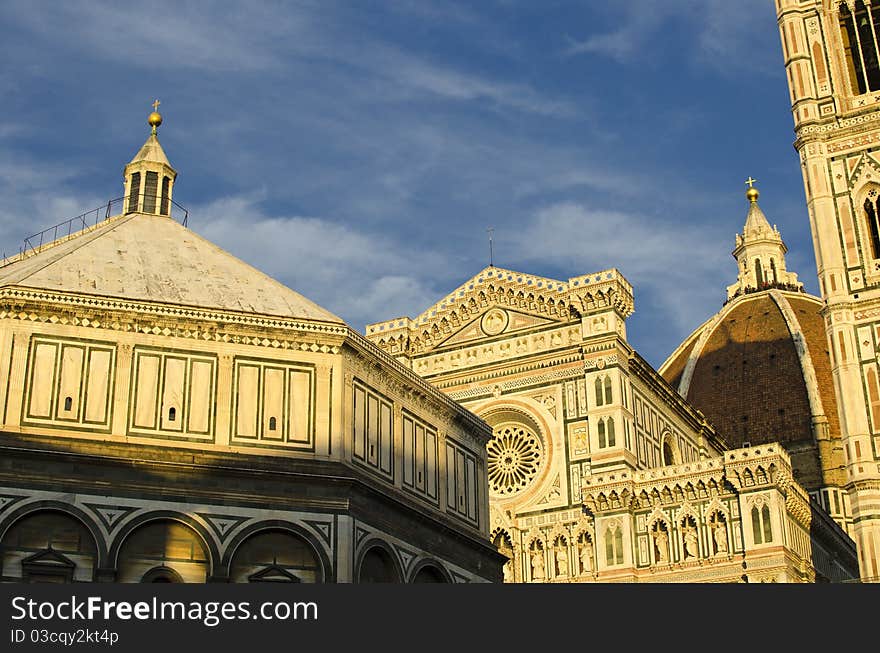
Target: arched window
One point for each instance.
(607, 389)
(857, 32)
(668, 457)
(614, 545)
(759, 277)
(599, 401)
(762, 530)
(871, 215)
(68, 403)
(601, 429)
(610, 432)
(773, 271)
(172, 414)
(273, 424)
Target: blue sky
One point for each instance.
(358, 151)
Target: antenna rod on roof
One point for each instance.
(490, 231)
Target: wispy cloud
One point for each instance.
(720, 34)
(673, 267)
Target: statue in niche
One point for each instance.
(661, 545)
(689, 535)
(538, 565)
(586, 557)
(508, 572)
(719, 534)
(561, 561)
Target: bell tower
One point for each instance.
(830, 49)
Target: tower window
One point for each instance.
(273, 424)
(151, 187)
(759, 276)
(773, 271)
(607, 390)
(598, 384)
(134, 192)
(871, 214)
(858, 34)
(166, 186)
(172, 414)
(68, 403)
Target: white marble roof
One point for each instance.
(154, 258)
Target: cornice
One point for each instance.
(206, 326)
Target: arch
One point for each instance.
(378, 563)
(669, 449)
(326, 571)
(276, 554)
(162, 574)
(759, 275)
(212, 554)
(49, 545)
(429, 571)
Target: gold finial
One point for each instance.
(155, 118)
(752, 193)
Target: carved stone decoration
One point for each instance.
(719, 533)
(514, 459)
(689, 538)
(494, 322)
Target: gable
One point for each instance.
(494, 322)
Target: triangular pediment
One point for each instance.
(495, 322)
(49, 558)
(866, 169)
(273, 574)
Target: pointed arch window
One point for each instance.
(610, 431)
(601, 429)
(762, 530)
(872, 212)
(858, 33)
(614, 545)
(773, 271)
(759, 276)
(607, 389)
(598, 384)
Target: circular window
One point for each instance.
(514, 459)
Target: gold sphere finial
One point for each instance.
(752, 193)
(155, 118)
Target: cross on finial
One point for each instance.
(751, 182)
(156, 104)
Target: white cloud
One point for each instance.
(359, 275)
(674, 268)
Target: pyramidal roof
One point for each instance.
(154, 258)
(151, 151)
(146, 256)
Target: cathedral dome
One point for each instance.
(760, 369)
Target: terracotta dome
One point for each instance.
(759, 369)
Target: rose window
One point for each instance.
(514, 459)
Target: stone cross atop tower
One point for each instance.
(149, 177)
(760, 253)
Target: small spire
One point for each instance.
(155, 118)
